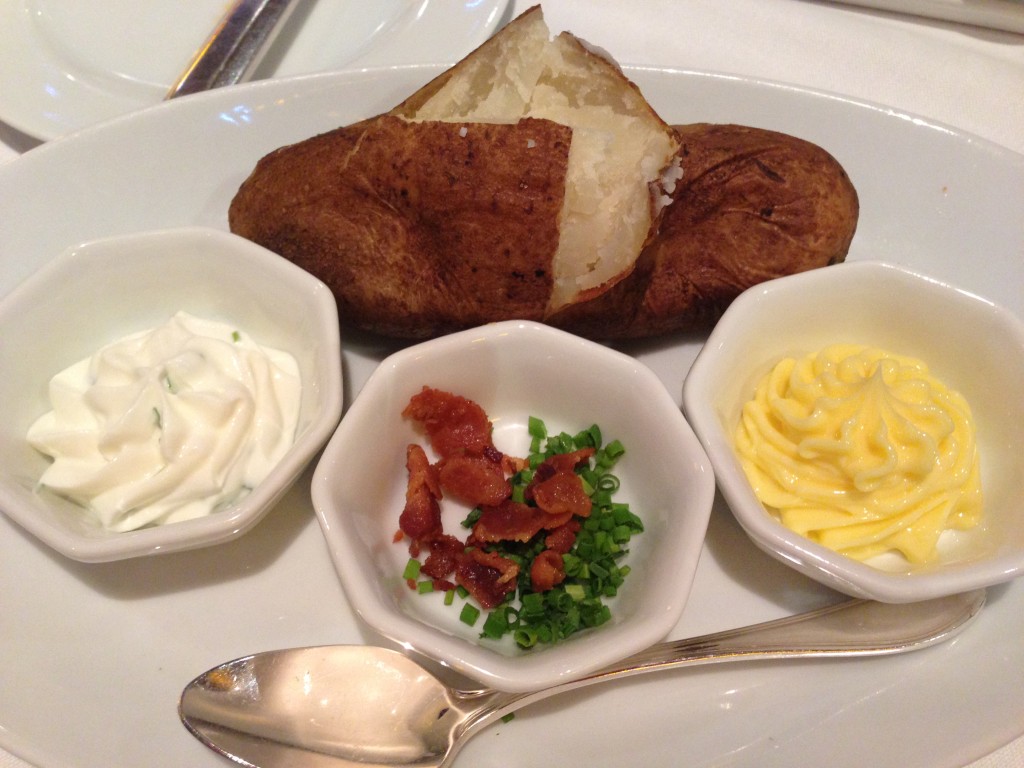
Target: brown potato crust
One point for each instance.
(753, 205)
(418, 228)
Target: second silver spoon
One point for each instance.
(349, 705)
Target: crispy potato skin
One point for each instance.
(753, 205)
(420, 231)
(418, 228)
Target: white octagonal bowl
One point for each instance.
(101, 291)
(515, 370)
(968, 343)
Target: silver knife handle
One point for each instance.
(236, 46)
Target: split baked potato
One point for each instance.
(532, 180)
(752, 205)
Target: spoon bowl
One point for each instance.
(349, 705)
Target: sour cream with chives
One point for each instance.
(168, 424)
(863, 451)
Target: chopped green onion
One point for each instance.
(532, 602)
(412, 569)
(525, 637)
(424, 587)
(495, 625)
(472, 517)
(575, 591)
(537, 431)
(591, 567)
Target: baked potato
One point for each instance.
(753, 205)
(532, 180)
(524, 179)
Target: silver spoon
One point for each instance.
(350, 705)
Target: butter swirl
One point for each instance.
(863, 451)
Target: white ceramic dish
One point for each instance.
(101, 291)
(890, 308)
(933, 199)
(996, 14)
(515, 370)
(68, 65)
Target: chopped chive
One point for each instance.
(591, 567)
(537, 431)
(575, 591)
(236, 336)
(412, 569)
(621, 533)
(525, 637)
(495, 625)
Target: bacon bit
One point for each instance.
(546, 571)
(562, 493)
(567, 462)
(421, 518)
(562, 538)
(487, 576)
(493, 454)
(454, 424)
(509, 521)
(476, 472)
(474, 480)
(443, 557)
(510, 464)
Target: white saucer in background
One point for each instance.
(64, 65)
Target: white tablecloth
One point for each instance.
(970, 77)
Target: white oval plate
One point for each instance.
(95, 657)
(65, 65)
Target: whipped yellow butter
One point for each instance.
(168, 424)
(862, 451)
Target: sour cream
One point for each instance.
(863, 451)
(169, 424)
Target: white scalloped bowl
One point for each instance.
(100, 291)
(968, 343)
(515, 370)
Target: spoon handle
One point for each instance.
(851, 628)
